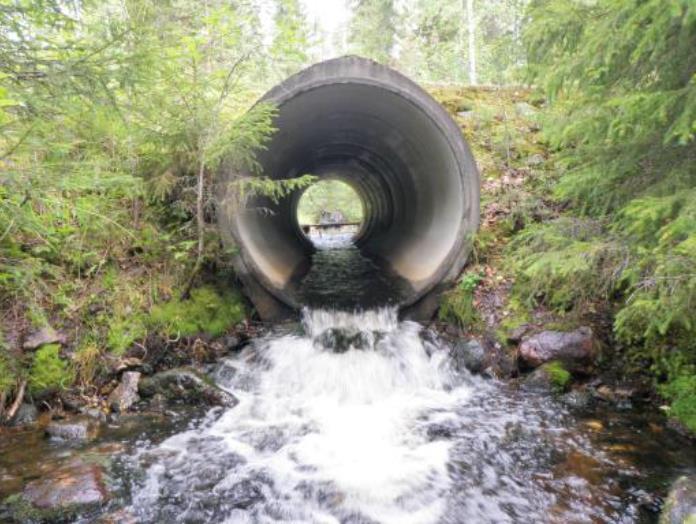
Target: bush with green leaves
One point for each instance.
(621, 78)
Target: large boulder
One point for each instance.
(73, 486)
(126, 393)
(185, 385)
(575, 348)
(680, 506)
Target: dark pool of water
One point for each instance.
(341, 277)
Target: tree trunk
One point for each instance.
(200, 227)
(472, 41)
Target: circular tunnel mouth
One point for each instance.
(354, 120)
(330, 213)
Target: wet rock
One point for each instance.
(680, 506)
(121, 516)
(26, 414)
(74, 486)
(185, 385)
(577, 399)
(551, 377)
(516, 335)
(469, 355)
(94, 413)
(244, 494)
(45, 335)
(575, 349)
(340, 340)
(73, 429)
(230, 343)
(225, 371)
(126, 393)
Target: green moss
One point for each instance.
(48, 371)
(457, 306)
(682, 394)
(124, 331)
(206, 311)
(559, 376)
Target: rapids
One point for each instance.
(360, 418)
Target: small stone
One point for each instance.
(680, 506)
(74, 429)
(45, 335)
(575, 349)
(469, 355)
(72, 486)
(126, 393)
(26, 414)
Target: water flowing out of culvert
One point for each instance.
(360, 418)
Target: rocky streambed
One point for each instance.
(355, 418)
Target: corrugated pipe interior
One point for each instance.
(361, 122)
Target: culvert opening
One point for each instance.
(330, 213)
(358, 121)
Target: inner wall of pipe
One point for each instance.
(395, 156)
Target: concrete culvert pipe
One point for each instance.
(358, 121)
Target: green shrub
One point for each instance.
(566, 263)
(206, 311)
(48, 371)
(682, 394)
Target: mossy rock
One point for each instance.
(551, 376)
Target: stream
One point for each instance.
(360, 418)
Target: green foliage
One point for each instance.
(206, 311)
(558, 375)
(291, 40)
(49, 371)
(566, 263)
(433, 40)
(372, 31)
(7, 373)
(457, 306)
(682, 393)
(622, 79)
(123, 332)
(329, 196)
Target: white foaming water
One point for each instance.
(363, 420)
(324, 434)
